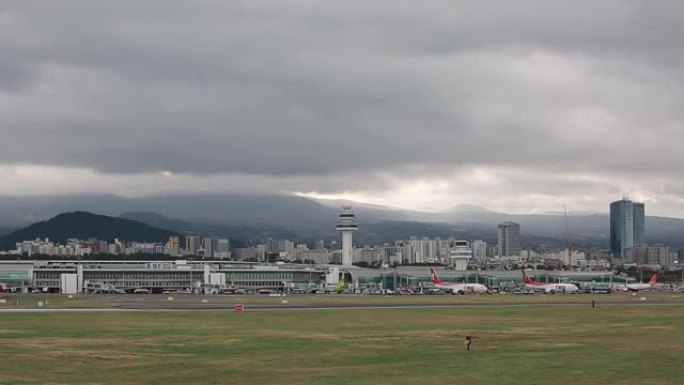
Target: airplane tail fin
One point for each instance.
(340, 286)
(654, 279)
(526, 278)
(434, 277)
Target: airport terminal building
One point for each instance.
(212, 276)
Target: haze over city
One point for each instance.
(514, 106)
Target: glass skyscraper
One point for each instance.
(639, 224)
(627, 226)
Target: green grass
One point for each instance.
(537, 345)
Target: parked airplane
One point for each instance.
(455, 287)
(642, 286)
(548, 288)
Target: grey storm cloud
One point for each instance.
(310, 88)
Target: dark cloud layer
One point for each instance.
(305, 88)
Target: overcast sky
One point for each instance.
(517, 106)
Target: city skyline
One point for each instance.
(517, 107)
(627, 245)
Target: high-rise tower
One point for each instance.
(627, 226)
(508, 235)
(193, 244)
(347, 225)
(639, 218)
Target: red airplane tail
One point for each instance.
(654, 279)
(434, 277)
(526, 279)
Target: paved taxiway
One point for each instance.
(302, 307)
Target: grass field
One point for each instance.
(536, 345)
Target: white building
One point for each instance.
(459, 255)
(223, 248)
(479, 250)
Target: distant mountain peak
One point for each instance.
(86, 225)
(468, 208)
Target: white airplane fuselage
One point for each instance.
(462, 288)
(641, 286)
(455, 287)
(552, 288)
(638, 287)
(549, 288)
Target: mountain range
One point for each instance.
(247, 218)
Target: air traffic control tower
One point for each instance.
(347, 225)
